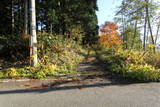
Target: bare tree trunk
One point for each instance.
(147, 36)
(149, 23)
(144, 39)
(135, 33)
(26, 17)
(158, 27)
(51, 28)
(33, 33)
(19, 16)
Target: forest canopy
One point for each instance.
(53, 16)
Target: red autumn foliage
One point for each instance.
(109, 35)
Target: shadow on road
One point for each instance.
(57, 86)
(52, 88)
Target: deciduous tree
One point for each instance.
(109, 35)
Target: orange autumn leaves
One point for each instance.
(109, 35)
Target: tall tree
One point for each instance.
(13, 17)
(148, 19)
(60, 16)
(26, 17)
(142, 11)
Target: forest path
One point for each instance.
(91, 72)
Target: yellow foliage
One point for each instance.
(151, 46)
(52, 67)
(11, 72)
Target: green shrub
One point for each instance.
(30, 72)
(11, 72)
(1, 74)
(131, 64)
(153, 59)
(55, 49)
(39, 75)
(142, 72)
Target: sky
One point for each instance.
(107, 10)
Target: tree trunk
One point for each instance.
(148, 19)
(51, 28)
(19, 16)
(135, 33)
(147, 36)
(158, 27)
(144, 39)
(33, 39)
(13, 21)
(26, 17)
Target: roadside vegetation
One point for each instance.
(132, 63)
(57, 56)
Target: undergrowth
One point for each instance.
(136, 65)
(57, 55)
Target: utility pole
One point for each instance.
(33, 38)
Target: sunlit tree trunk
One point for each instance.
(145, 29)
(33, 39)
(149, 23)
(135, 33)
(148, 19)
(147, 36)
(158, 27)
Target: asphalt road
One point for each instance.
(89, 95)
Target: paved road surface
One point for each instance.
(90, 95)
